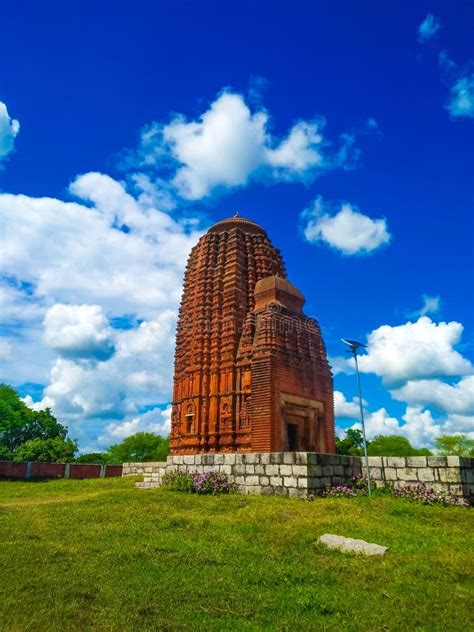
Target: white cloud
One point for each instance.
(299, 151)
(340, 364)
(229, 144)
(451, 398)
(156, 420)
(462, 97)
(379, 422)
(419, 350)
(117, 253)
(9, 129)
(40, 405)
(428, 28)
(107, 260)
(345, 409)
(421, 428)
(78, 331)
(347, 230)
(431, 305)
(222, 149)
(79, 392)
(6, 350)
(17, 300)
(145, 357)
(418, 425)
(371, 123)
(21, 315)
(460, 424)
(410, 359)
(460, 82)
(141, 367)
(85, 394)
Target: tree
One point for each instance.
(393, 445)
(142, 446)
(456, 445)
(19, 424)
(56, 450)
(352, 443)
(5, 454)
(99, 458)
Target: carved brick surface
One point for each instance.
(251, 372)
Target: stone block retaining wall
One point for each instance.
(304, 473)
(280, 473)
(151, 472)
(453, 473)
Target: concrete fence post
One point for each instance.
(67, 469)
(103, 469)
(28, 471)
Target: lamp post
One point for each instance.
(353, 348)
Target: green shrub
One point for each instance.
(97, 458)
(57, 450)
(178, 481)
(139, 447)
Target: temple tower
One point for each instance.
(251, 373)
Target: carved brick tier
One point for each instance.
(251, 372)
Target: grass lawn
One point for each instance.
(101, 555)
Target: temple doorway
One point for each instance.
(297, 433)
(293, 437)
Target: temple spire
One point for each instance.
(251, 372)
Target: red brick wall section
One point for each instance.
(82, 470)
(47, 470)
(12, 469)
(20, 470)
(113, 470)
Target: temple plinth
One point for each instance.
(251, 372)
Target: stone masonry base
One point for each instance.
(302, 474)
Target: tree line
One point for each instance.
(396, 445)
(36, 435)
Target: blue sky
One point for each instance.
(345, 129)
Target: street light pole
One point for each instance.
(354, 346)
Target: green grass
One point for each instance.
(101, 555)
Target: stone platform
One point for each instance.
(303, 474)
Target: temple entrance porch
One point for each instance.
(302, 429)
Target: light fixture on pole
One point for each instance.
(353, 347)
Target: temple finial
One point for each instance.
(237, 214)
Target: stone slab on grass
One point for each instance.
(350, 545)
(147, 485)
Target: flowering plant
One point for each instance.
(428, 495)
(357, 487)
(338, 491)
(211, 482)
(418, 492)
(360, 484)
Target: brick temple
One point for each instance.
(251, 371)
